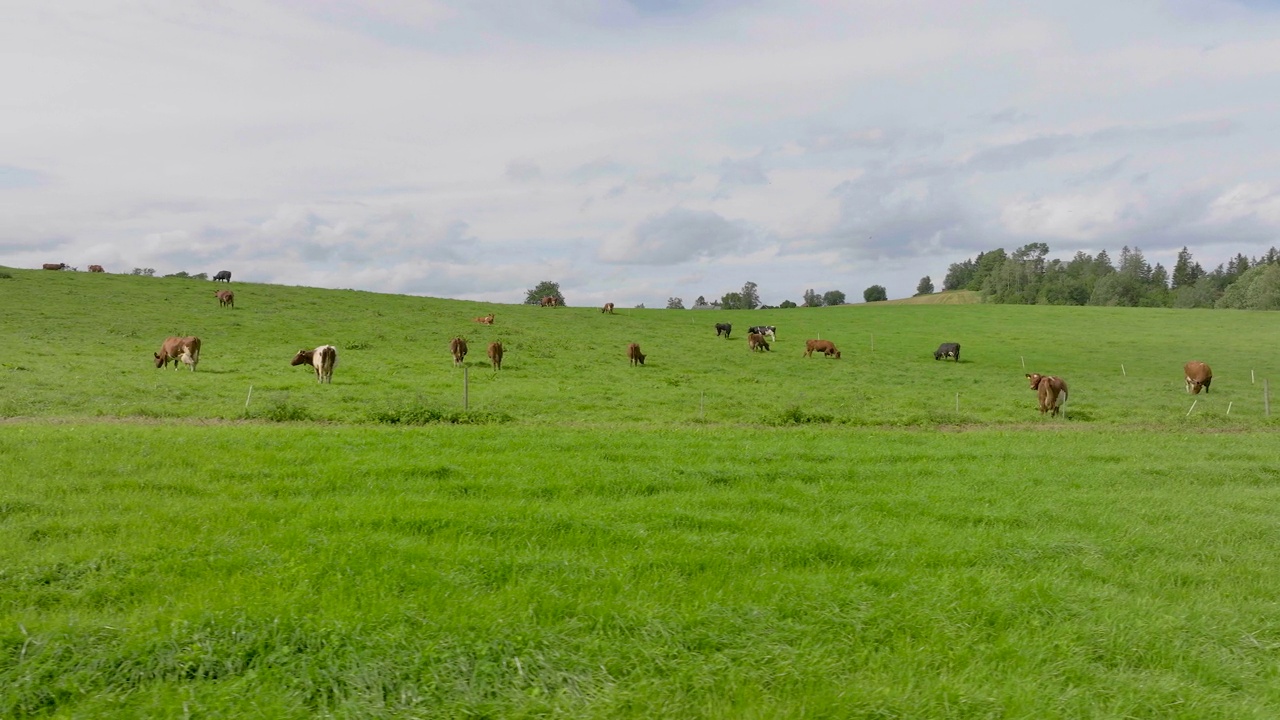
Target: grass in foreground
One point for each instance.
(507, 571)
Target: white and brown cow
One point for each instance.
(1198, 376)
(226, 298)
(323, 359)
(175, 349)
(1051, 391)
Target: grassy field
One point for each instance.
(716, 534)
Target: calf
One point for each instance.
(55, 266)
(633, 352)
(223, 275)
(768, 331)
(185, 349)
(608, 308)
(1198, 376)
(725, 328)
(826, 347)
(951, 350)
(458, 347)
(96, 268)
(226, 298)
(495, 355)
(755, 341)
(486, 320)
(1051, 390)
(323, 359)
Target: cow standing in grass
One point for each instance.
(634, 354)
(548, 301)
(755, 341)
(1051, 391)
(226, 298)
(1198, 376)
(458, 347)
(56, 266)
(323, 359)
(175, 349)
(608, 308)
(223, 275)
(826, 347)
(725, 329)
(495, 355)
(96, 268)
(947, 350)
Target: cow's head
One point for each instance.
(1035, 379)
(159, 360)
(303, 356)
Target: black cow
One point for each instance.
(768, 331)
(723, 328)
(951, 350)
(224, 275)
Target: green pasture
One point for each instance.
(255, 570)
(717, 534)
(80, 345)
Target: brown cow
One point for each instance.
(1051, 390)
(755, 341)
(55, 266)
(323, 359)
(186, 349)
(225, 298)
(608, 308)
(548, 301)
(827, 347)
(458, 347)
(96, 268)
(495, 355)
(486, 320)
(633, 352)
(1198, 376)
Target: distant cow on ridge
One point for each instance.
(324, 359)
(951, 350)
(55, 266)
(634, 354)
(226, 298)
(223, 275)
(1198, 376)
(608, 308)
(96, 268)
(548, 301)
(1051, 391)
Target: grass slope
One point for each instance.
(946, 297)
(79, 344)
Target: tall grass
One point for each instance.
(499, 571)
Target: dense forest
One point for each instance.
(1027, 276)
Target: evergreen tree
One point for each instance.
(750, 296)
(1184, 271)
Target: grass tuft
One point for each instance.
(419, 414)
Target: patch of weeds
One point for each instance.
(5, 276)
(280, 409)
(796, 415)
(357, 345)
(418, 414)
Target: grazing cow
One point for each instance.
(495, 355)
(725, 328)
(225, 298)
(223, 275)
(633, 352)
(755, 341)
(608, 308)
(486, 320)
(1198, 376)
(826, 347)
(768, 331)
(96, 268)
(458, 347)
(323, 359)
(56, 266)
(1052, 391)
(186, 349)
(548, 301)
(951, 350)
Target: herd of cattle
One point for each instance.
(1051, 390)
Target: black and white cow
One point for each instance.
(768, 331)
(951, 350)
(723, 328)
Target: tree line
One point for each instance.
(1027, 276)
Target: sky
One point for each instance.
(632, 150)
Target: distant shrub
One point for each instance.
(424, 415)
(795, 415)
(357, 345)
(5, 276)
(281, 409)
(146, 272)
